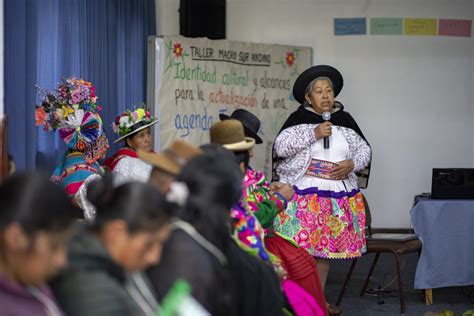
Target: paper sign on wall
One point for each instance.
(386, 26)
(448, 27)
(421, 26)
(350, 26)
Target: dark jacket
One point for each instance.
(93, 284)
(183, 258)
(256, 288)
(253, 286)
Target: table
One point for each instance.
(446, 230)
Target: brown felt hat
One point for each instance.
(230, 134)
(172, 159)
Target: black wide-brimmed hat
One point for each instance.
(250, 122)
(305, 78)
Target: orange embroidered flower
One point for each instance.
(177, 50)
(290, 59)
(315, 237)
(40, 116)
(360, 202)
(313, 204)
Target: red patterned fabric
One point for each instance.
(112, 161)
(300, 267)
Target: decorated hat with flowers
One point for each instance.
(131, 122)
(72, 109)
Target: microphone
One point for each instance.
(326, 117)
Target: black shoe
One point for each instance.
(334, 310)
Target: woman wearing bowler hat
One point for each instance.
(328, 217)
(250, 122)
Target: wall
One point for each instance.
(412, 96)
(167, 17)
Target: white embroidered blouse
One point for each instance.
(298, 144)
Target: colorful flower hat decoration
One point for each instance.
(131, 122)
(72, 109)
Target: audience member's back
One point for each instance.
(256, 287)
(257, 290)
(197, 247)
(184, 258)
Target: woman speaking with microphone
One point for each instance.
(318, 151)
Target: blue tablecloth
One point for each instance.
(446, 229)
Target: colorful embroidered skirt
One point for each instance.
(327, 224)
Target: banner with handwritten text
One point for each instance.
(203, 78)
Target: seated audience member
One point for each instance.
(134, 128)
(247, 230)
(256, 285)
(36, 220)
(259, 206)
(72, 110)
(203, 192)
(127, 236)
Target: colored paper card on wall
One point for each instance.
(421, 26)
(448, 27)
(350, 26)
(386, 26)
